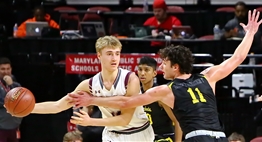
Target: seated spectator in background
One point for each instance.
(9, 125)
(234, 29)
(235, 137)
(39, 16)
(73, 136)
(161, 20)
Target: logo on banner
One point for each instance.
(90, 64)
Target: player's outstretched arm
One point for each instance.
(219, 72)
(121, 119)
(159, 93)
(64, 103)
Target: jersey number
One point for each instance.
(193, 96)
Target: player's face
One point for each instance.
(146, 73)
(5, 69)
(167, 69)
(109, 58)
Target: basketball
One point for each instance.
(19, 102)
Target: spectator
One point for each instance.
(234, 29)
(8, 124)
(235, 137)
(161, 20)
(73, 136)
(39, 16)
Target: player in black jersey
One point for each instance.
(191, 96)
(159, 115)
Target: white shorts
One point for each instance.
(146, 135)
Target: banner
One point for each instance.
(90, 64)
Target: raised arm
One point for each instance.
(219, 72)
(52, 107)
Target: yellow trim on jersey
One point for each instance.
(170, 85)
(164, 140)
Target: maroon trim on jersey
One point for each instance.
(115, 81)
(90, 84)
(127, 78)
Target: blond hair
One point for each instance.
(236, 137)
(72, 136)
(107, 41)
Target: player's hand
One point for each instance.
(8, 79)
(253, 24)
(82, 118)
(80, 98)
(8, 112)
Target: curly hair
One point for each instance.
(180, 55)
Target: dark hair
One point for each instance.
(180, 55)
(41, 8)
(241, 3)
(146, 60)
(4, 60)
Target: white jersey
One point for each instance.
(118, 88)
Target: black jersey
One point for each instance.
(158, 117)
(195, 104)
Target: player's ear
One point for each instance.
(155, 73)
(98, 55)
(175, 67)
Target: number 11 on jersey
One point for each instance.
(193, 96)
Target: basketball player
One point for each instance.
(191, 96)
(159, 115)
(121, 124)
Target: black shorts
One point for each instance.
(206, 139)
(164, 138)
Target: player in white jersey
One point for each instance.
(121, 124)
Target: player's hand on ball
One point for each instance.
(80, 98)
(83, 118)
(7, 111)
(8, 80)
